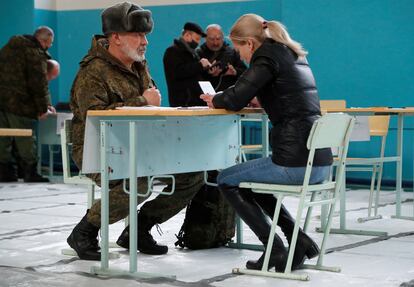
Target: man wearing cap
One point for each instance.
(114, 73)
(183, 68)
(216, 50)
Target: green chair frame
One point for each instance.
(330, 131)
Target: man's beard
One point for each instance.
(133, 54)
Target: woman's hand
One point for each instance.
(254, 103)
(208, 99)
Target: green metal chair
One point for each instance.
(330, 131)
(378, 127)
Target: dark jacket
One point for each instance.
(23, 85)
(226, 55)
(103, 83)
(285, 87)
(183, 70)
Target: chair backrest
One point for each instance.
(330, 131)
(332, 104)
(378, 125)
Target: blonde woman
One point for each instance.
(280, 78)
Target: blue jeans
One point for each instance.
(263, 170)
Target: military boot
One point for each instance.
(7, 172)
(83, 240)
(250, 212)
(146, 243)
(30, 174)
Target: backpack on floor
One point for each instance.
(209, 221)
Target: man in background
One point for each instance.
(183, 68)
(227, 64)
(24, 99)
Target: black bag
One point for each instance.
(209, 221)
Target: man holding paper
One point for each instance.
(183, 68)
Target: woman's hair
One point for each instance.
(252, 26)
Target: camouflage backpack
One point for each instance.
(209, 221)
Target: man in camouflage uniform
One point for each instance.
(24, 98)
(114, 74)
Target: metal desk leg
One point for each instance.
(265, 135)
(104, 202)
(398, 183)
(132, 199)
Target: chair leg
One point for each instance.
(309, 213)
(327, 229)
(371, 190)
(378, 191)
(272, 233)
(292, 245)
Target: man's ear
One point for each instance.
(115, 38)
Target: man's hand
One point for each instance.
(231, 71)
(51, 110)
(254, 103)
(215, 71)
(208, 99)
(205, 63)
(153, 96)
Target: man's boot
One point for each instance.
(254, 217)
(146, 243)
(305, 246)
(7, 172)
(83, 240)
(30, 174)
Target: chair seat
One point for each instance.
(369, 161)
(251, 146)
(270, 188)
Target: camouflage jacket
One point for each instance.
(23, 85)
(104, 83)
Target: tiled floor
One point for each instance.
(37, 218)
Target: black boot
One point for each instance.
(305, 246)
(7, 172)
(146, 243)
(83, 240)
(254, 217)
(30, 174)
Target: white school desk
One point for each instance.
(398, 158)
(131, 143)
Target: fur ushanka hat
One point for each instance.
(126, 17)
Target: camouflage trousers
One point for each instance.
(158, 210)
(24, 148)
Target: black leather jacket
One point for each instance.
(183, 70)
(285, 87)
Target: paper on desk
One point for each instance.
(360, 131)
(193, 108)
(206, 87)
(145, 108)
